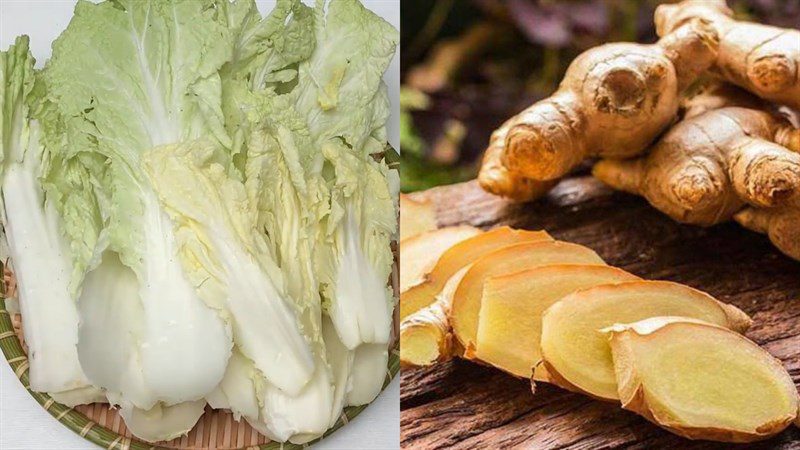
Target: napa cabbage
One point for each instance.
(202, 187)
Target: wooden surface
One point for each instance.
(463, 405)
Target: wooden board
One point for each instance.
(464, 405)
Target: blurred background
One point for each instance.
(467, 65)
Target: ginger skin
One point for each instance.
(426, 337)
(715, 95)
(708, 167)
(780, 225)
(763, 59)
(496, 179)
(607, 92)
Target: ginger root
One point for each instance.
(701, 381)
(513, 258)
(714, 94)
(763, 59)
(496, 179)
(416, 217)
(607, 92)
(781, 225)
(708, 167)
(457, 257)
(425, 336)
(421, 252)
(577, 357)
(510, 323)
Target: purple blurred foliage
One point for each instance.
(540, 25)
(554, 24)
(782, 13)
(588, 17)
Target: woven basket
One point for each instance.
(97, 423)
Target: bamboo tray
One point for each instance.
(97, 423)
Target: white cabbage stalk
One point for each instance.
(368, 373)
(130, 75)
(184, 345)
(80, 396)
(43, 269)
(229, 261)
(110, 347)
(361, 312)
(341, 361)
(162, 423)
(217, 399)
(298, 418)
(111, 330)
(237, 390)
(264, 326)
(275, 414)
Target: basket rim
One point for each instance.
(97, 434)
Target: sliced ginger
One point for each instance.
(425, 336)
(420, 252)
(507, 260)
(416, 216)
(701, 381)
(510, 324)
(576, 354)
(457, 257)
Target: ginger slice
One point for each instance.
(416, 216)
(459, 256)
(701, 381)
(419, 253)
(425, 336)
(507, 260)
(575, 353)
(510, 320)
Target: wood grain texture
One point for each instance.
(467, 406)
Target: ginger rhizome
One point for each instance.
(701, 381)
(607, 92)
(510, 323)
(457, 257)
(616, 99)
(577, 357)
(713, 94)
(426, 336)
(496, 179)
(466, 306)
(763, 59)
(781, 225)
(707, 167)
